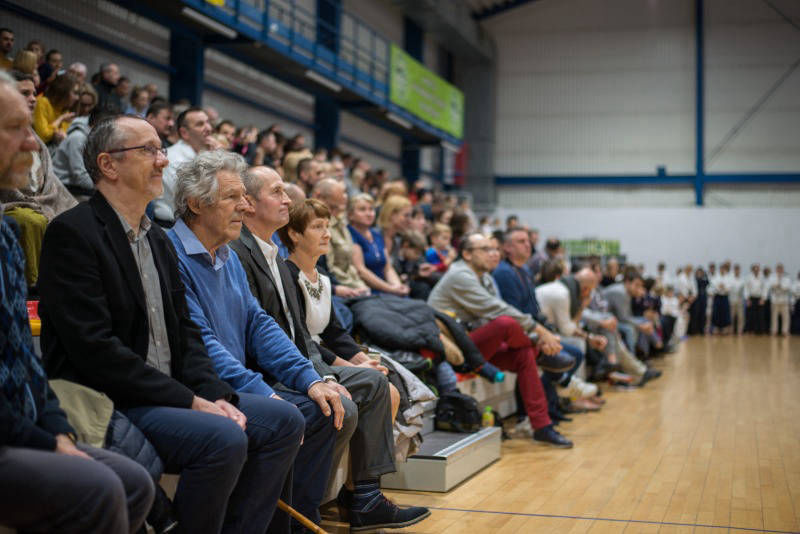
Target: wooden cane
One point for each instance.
(300, 517)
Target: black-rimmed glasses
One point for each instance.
(150, 150)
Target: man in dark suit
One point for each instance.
(114, 318)
(367, 395)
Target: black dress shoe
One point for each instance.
(650, 374)
(549, 436)
(555, 363)
(386, 514)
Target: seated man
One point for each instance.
(114, 318)
(501, 331)
(637, 331)
(43, 197)
(239, 336)
(47, 481)
(366, 392)
(515, 284)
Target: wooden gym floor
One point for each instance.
(711, 447)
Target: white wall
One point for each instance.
(106, 21)
(679, 235)
(587, 87)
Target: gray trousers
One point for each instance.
(41, 491)
(370, 412)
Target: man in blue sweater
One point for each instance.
(249, 349)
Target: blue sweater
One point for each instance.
(232, 323)
(516, 288)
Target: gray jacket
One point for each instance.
(473, 300)
(619, 302)
(68, 158)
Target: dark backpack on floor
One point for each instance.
(456, 412)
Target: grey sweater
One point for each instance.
(472, 299)
(68, 158)
(619, 302)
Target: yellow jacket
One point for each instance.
(44, 115)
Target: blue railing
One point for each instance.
(357, 58)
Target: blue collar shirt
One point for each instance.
(234, 326)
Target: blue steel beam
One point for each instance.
(699, 103)
(649, 179)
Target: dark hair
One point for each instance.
(105, 136)
(223, 123)
(9, 30)
(300, 215)
(137, 91)
(100, 113)
(58, 90)
(156, 108)
(511, 218)
(303, 165)
(551, 270)
(20, 76)
(180, 122)
(631, 274)
(649, 283)
(50, 53)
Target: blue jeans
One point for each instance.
(230, 480)
(305, 486)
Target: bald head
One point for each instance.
(332, 193)
(587, 279)
(295, 193)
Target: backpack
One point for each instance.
(456, 412)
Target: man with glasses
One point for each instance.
(115, 318)
(508, 338)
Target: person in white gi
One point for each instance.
(779, 288)
(736, 298)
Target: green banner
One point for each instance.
(592, 247)
(421, 92)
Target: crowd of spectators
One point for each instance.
(206, 277)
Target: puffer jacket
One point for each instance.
(68, 158)
(395, 323)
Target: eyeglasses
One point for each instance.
(150, 150)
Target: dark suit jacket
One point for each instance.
(94, 322)
(264, 289)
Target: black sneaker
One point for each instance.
(386, 514)
(555, 363)
(650, 374)
(548, 435)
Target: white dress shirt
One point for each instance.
(270, 252)
(686, 286)
(754, 287)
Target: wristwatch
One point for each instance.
(330, 378)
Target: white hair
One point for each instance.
(197, 179)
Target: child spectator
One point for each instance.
(441, 253)
(411, 266)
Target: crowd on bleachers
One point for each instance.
(220, 291)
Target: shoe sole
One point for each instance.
(368, 528)
(556, 369)
(554, 445)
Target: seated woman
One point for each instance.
(54, 109)
(394, 219)
(369, 252)
(307, 237)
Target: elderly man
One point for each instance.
(339, 259)
(114, 318)
(41, 198)
(47, 481)
(194, 130)
(367, 395)
(107, 97)
(501, 331)
(247, 346)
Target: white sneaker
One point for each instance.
(578, 389)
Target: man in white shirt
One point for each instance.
(194, 130)
(755, 294)
(736, 298)
(686, 286)
(779, 288)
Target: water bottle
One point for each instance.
(487, 419)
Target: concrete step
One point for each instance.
(446, 459)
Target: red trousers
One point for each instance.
(503, 342)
